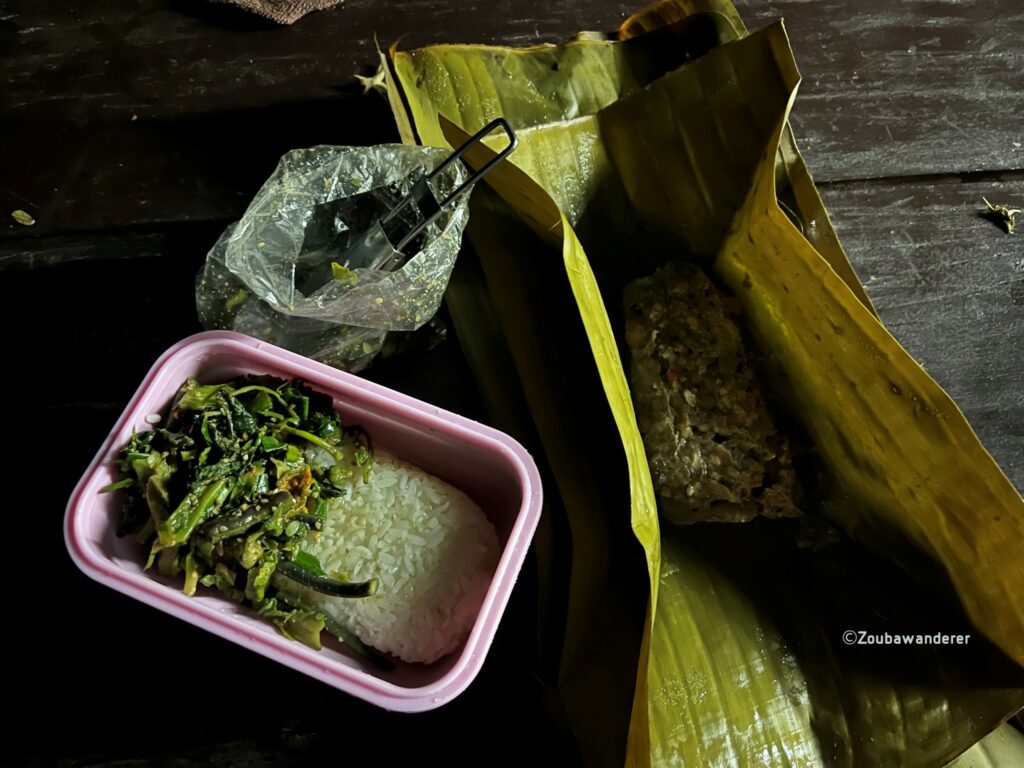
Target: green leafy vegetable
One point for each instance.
(127, 482)
(309, 562)
(230, 489)
(327, 586)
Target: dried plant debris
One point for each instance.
(1003, 215)
(375, 82)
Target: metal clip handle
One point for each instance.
(421, 192)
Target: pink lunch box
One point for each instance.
(494, 470)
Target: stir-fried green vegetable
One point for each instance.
(229, 489)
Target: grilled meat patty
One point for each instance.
(714, 453)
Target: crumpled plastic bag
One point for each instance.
(276, 274)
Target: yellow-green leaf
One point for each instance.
(909, 465)
(1003, 748)
(544, 84)
(23, 217)
(909, 707)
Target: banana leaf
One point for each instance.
(543, 84)
(741, 663)
(1003, 748)
(910, 467)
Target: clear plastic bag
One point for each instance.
(276, 273)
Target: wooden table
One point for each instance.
(133, 131)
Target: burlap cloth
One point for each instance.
(283, 11)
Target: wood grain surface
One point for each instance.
(133, 131)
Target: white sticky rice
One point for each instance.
(429, 545)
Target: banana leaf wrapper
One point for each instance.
(738, 658)
(1003, 748)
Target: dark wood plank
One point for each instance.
(157, 112)
(151, 112)
(904, 88)
(159, 59)
(949, 285)
(201, 167)
(181, 246)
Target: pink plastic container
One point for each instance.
(494, 470)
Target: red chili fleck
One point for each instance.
(672, 376)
